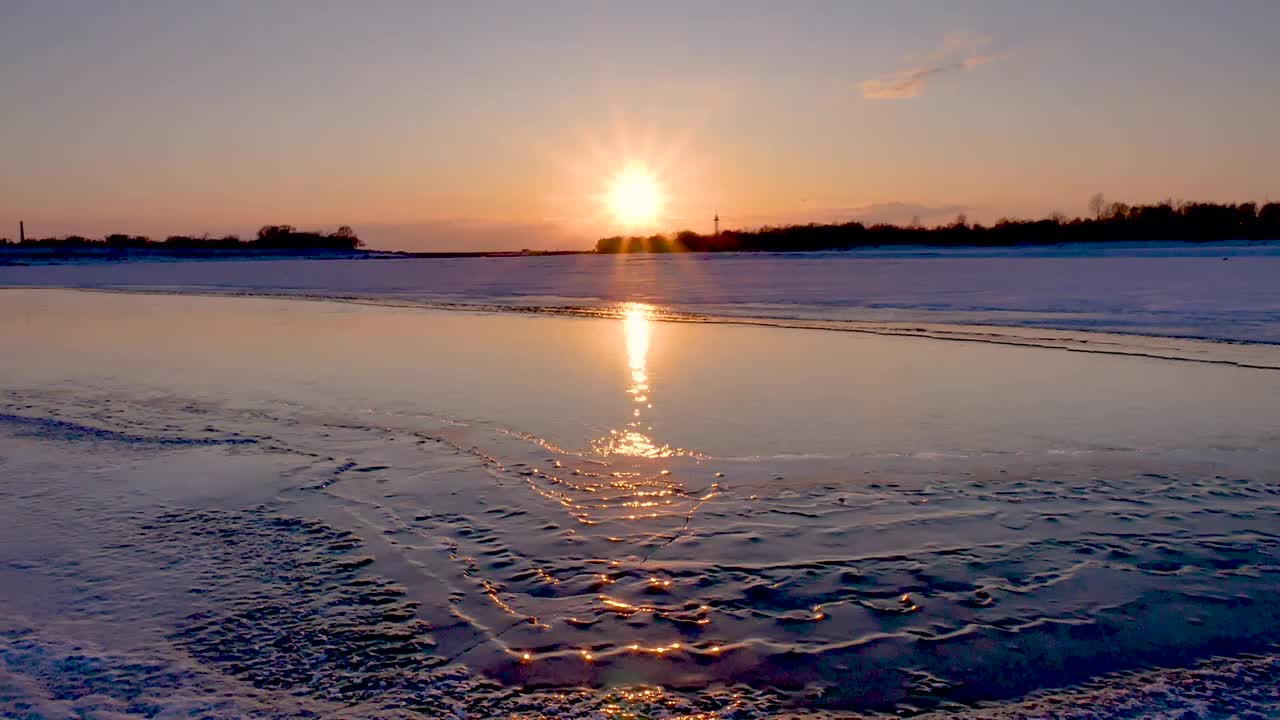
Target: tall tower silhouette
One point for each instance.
(717, 222)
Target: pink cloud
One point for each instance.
(959, 52)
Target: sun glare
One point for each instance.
(635, 198)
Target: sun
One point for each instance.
(635, 197)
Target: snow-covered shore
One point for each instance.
(1219, 292)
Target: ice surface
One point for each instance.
(390, 566)
(382, 515)
(1216, 291)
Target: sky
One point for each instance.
(500, 125)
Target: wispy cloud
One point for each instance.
(959, 52)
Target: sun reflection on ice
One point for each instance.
(632, 439)
(638, 614)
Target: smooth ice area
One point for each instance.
(1220, 291)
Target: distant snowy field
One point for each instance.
(1225, 292)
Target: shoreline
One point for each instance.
(21, 258)
(17, 256)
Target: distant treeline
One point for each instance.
(270, 238)
(1112, 222)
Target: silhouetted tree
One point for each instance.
(1165, 221)
(271, 238)
(286, 237)
(345, 233)
(273, 233)
(1097, 203)
(1269, 220)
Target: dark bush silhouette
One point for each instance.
(124, 241)
(204, 242)
(270, 240)
(1114, 222)
(286, 237)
